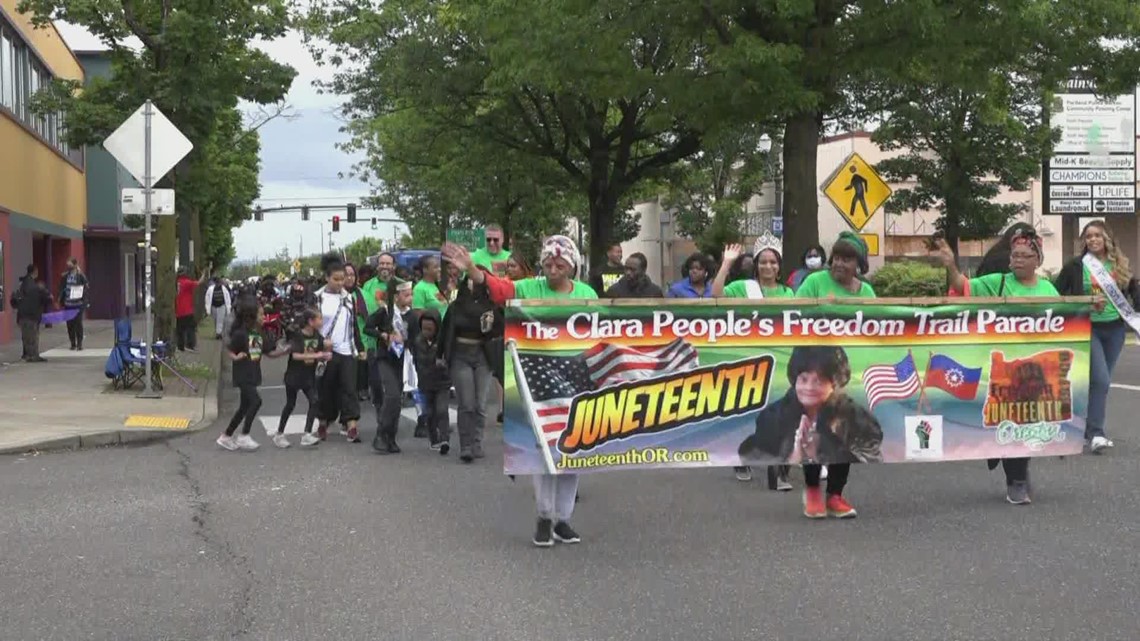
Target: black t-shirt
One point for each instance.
(247, 371)
(299, 372)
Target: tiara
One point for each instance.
(767, 240)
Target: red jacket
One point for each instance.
(184, 301)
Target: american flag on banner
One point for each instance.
(555, 380)
(890, 382)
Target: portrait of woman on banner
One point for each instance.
(815, 422)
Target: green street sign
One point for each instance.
(472, 239)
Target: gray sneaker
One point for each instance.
(477, 450)
(783, 484)
(1017, 493)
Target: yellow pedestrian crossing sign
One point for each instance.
(856, 191)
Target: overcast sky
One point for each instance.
(299, 163)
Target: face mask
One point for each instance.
(814, 262)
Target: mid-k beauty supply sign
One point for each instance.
(603, 385)
(1093, 168)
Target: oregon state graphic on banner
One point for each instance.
(603, 385)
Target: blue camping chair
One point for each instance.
(126, 365)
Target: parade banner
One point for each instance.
(605, 385)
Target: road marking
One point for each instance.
(157, 422)
(1134, 388)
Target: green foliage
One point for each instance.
(358, 251)
(908, 279)
(196, 61)
(556, 108)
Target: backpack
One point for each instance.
(219, 296)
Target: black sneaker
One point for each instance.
(543, 534)
(392, 447)
(380, 444)
(465, 455)
(563, 533)
(444, 448)
(499, 418)
(1017, 493)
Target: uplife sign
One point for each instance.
(1093, 168)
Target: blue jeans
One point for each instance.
(1107, 341)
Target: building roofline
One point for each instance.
(850, 135)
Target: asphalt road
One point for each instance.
(180, 540)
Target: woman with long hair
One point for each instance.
(518, 268)
(1099, 249)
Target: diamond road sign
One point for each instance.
(167, 145)
(856, 191)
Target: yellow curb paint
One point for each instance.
(157, 422)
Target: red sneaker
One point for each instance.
(322, 431)
(814, 507)
(839, 508)
(352, 435)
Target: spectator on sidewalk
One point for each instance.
(185, 325)
(73, 296)
(219, 300)
(635, 283)
(31, 300)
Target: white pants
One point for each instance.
(219, 314)
(554, 495)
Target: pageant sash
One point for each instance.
(1107, 283)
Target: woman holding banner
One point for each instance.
(1020, 281)
(553, 494)
(1102, 269)
(765, 283)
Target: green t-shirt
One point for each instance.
(1092, 289)
(537, 288)
(426, 295)
(746, 289)
(369, 290)
(990, 284)
(821, 285)
(495, 263)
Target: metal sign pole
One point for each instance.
(148, 184)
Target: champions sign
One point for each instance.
(601, 385)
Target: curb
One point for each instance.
(113, 438)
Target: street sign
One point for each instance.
(472, 239)
(161, 201)
(1093, 167)
(872, 241)
(167, 145)
(778, 225)
(856, 191)
(296, 266)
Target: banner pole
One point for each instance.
(922, 388)
(528, 403)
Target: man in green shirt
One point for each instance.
(376, 289)
(492, 256)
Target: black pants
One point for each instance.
(309, 389)
(246, 411)
(30, 337)
(387, 381)
(836, 476)
(361, 376)
(337, 391)
(186, 331)
(437, 414)
(75, 331)
(1016, 469)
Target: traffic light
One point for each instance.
(336, 223)
(258, 215)
(304, 212)
(374, 226)
(352, 212)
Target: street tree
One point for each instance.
(612, 94)
(195, 61)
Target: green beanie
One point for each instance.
(855, 240)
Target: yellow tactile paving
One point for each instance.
(157, 422)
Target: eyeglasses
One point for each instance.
(494, 240)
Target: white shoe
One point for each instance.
(246, 442)
(227, 443)
(823, 473)
(1100, 443)
(280, 440)
(309, 439)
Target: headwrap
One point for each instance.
(403, 285)
(858, 244)
(561, 247)
(1026, 237)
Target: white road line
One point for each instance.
(1134, 388)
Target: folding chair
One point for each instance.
(132, 357)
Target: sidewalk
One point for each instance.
(67, 402)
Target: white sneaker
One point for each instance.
(309, 439)
(823, 473)
(1100, 443)
(246, 442)
(280, 440)
(227, 443)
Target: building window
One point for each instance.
(21, 76)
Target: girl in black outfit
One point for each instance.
(244, 350)
(306, 348)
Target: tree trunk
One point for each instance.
(801, 188)
(603, 207)
(166, 241)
